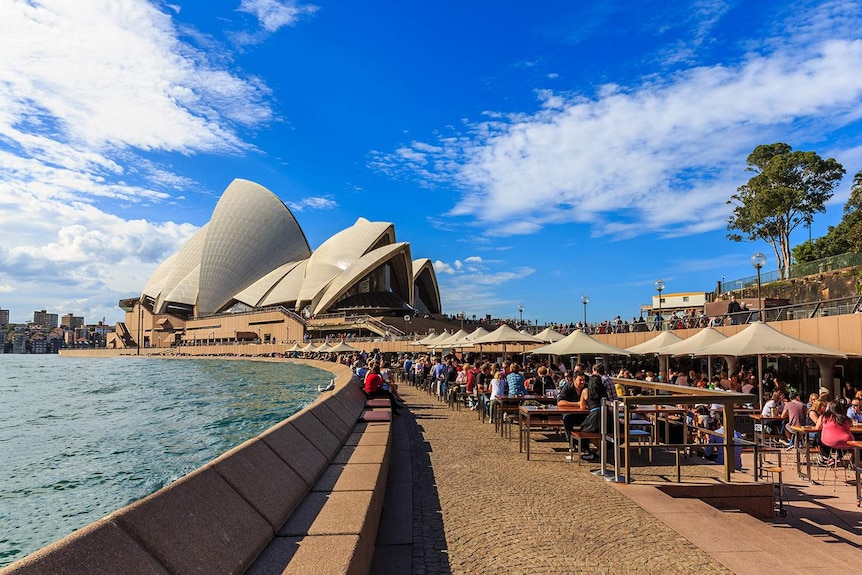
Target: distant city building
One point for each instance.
(4, 319)
(72, 321)
(46, 320)
(19, 342)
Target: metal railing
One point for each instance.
(820, 266)
(819, 308)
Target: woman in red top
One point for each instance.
(834, 429)
(374, 386)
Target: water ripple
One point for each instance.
(83, 437)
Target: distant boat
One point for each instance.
(329, 387)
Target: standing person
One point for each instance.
(733, 310)
(374, 386)
(437, 374)
(496, 391)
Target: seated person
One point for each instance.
(572, 395)
(374, 386)
(854, 412)
(717, 453)
(834, 427)
(794, 414)
(772, 409)
(596, 391)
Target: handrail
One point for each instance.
(683, 395)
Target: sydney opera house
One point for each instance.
(250, 275)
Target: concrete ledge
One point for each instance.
(340, 516)
(332, 422)
(101, 548)
(310, 556)
(297, 450)
(316, 432)
(197, 524)
(263, 479)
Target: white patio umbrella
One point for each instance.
(550, 335)
(425, 339)
(342, 347)
(692, 345)
(439, 337)
(309, 347)
(656, 346)
(322, 348)
(761, 339)
(505, 334)
(441, 343)
(578, 343)
(294, 347)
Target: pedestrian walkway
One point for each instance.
(476, 505)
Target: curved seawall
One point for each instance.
(218, 518)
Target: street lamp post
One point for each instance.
(659, 286)
(521, 311)
(758, 260)
(585, 299)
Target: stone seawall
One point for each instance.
(218, 518)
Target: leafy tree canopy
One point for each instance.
(788, 188)
(841, 239)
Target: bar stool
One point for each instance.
(773, 471)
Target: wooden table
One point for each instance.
(761, 421)
(552, 416)
(508, 404)
(802, 432)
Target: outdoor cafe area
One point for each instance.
(665, 449)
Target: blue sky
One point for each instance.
(534, 153)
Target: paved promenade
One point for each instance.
(478, 506)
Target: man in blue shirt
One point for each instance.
(854, 412)
(438, 371)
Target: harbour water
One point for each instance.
(80, 438)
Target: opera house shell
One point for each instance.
(253, 255)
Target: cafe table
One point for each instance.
(801, 437)
(550, 416)
(508, 404)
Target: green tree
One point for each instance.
(841, 239)
(788, 188)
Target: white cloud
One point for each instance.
(6, 288)
(662, 156)
(443, 268)
(473, 260)
(275, 14)
(87, 90)
(313, 203)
